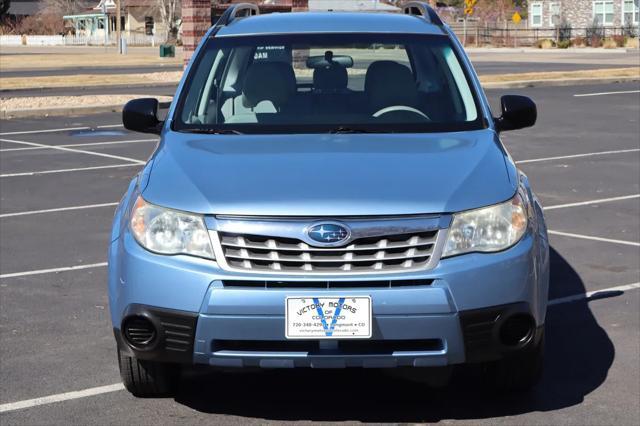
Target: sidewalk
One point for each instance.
(32, 58)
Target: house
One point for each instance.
(138, 17)
(580, 14)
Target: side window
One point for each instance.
(603, 12)
(149, 25)
(630, 12)
(536, 14)
(555, 13)
(196, 104)
(461, 84)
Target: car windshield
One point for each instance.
(341, 83)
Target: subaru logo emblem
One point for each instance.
(328, 234)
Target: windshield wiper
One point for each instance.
(213, 131)
(345, 129)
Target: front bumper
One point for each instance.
(451, 320)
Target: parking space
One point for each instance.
(56, 206)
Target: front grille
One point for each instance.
(388, 253)
(325, 284)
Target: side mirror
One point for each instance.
(141, 115)
(518, 112)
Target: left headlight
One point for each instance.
(167, 231)
(489, 229)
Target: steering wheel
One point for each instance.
(397, 108)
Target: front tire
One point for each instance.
(519, 372)
(147, 379)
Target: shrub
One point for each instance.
(545, 43)
(564, 31)
(594, 42)
(632, 43)
(595, 34)
(628, 29)
(609, 43)
(620, 40)
(579, 42)
(40, 24)
(564, 44)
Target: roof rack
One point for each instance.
(421, 8)
(237, 11)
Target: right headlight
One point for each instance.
(167, 231)
(488, 229)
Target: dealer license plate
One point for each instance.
(328, 317)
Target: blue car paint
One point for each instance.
(428, 173)
(330, 175)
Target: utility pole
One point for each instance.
(118, 28)
(468, 11)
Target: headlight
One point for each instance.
(168, 231)
(488, 229)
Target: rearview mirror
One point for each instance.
(518, 112)
(344, 61)
(141, 115)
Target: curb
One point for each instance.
(62, 111)
(98, 87)
(553, 50)
(520, 84)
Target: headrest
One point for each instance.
(268, 81)
(389, 83)
(333, 78)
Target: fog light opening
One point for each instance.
(517, 330)
(139, 331)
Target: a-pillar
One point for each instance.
(196, 20)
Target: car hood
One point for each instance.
(329, 175)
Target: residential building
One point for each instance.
(547, 14)
(138, 17)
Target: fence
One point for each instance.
(78, 40)
(512, 36)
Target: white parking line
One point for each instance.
(589, 154)
(589, 237)
(71, 145)
(586, 203)
(80, 169)
(592, 294)
(64, 129)
(623, 92)
(61, 209)
(47, 271)
(12, 406)
(29, 403)
(79, 151)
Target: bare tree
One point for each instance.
(4, 7)
(169, 12)
(64, 7)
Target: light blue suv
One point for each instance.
(329, 191)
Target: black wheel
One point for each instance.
(519, 372)
(147, 379)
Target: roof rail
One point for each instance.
(237, 11)
(421, 8)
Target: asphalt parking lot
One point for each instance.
(60, 179)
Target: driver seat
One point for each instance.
(388, 84)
